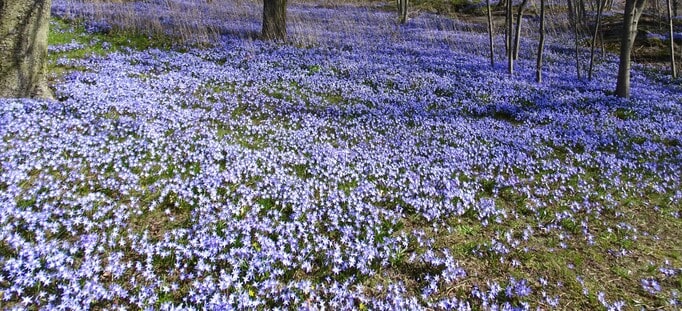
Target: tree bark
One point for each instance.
(633, 10)
(577, 47)
(506, 30)
(402, 11)
(600, 8)
(490, 34)
(541, 44)
(571, 11)
(24, 25)
(603, 44)
(580, 11)
(274, 20)
(672, 41)
(508, 41)
(517, 39)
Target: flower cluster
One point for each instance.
(73, 45)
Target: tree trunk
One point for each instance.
(541, 44)
(508, 32)
(571, 11)
(633, 10)
(402, 11)
(490, 34)
(24, 26)
(580, 11)
(517, 39)
(603, 44)
(577, 48)
(274, 20)
(594, 37)
(672, 41)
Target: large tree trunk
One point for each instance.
(633, 10)
(23, 48)
(274, 19)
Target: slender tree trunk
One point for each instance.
(506, 30)
(402, 11)
(490, 34)
(24, 26)
(517, 39)
(633, 10)
(274, 20)
(509, 26)
(571, 11)
(672, 41)
(594, 38)
(603, 44)
(580, 11)
(577, 48)
(657, 8)
(541, 44)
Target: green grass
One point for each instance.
(601, 267)
(94, 44)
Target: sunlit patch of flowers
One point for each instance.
(73, 45)
(255, 175)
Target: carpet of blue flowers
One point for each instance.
(387, 167)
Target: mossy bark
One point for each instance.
(24, 26)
